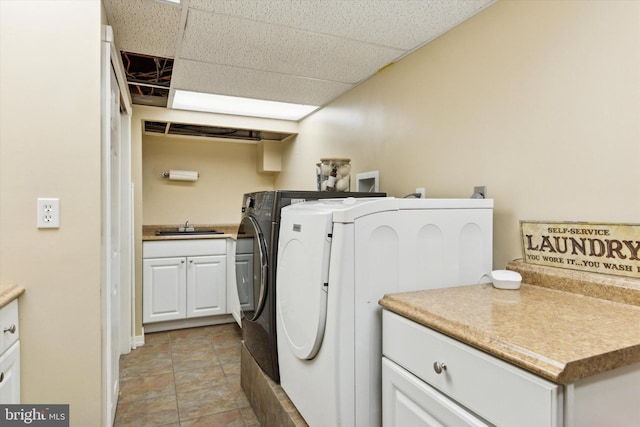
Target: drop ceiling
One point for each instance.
(158, 128)
(297, 51)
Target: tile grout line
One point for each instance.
(173, 372)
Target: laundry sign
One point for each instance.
(600, 248)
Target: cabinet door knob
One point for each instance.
(11, 329)
(182, 262)
(439, 367)
(1, 376)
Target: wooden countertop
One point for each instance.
(230, 231)
(561, 335)
(8, 293)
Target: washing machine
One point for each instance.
(256, 256)
(337, 258)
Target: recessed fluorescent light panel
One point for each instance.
(196, 101)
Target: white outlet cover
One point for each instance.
(48, 212)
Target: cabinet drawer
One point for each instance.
(497, 391)
(195, 247)
(9, 328)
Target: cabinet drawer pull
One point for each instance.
(1, 376)
(439, 367)
(11, 329)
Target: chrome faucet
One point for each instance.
(186, 227)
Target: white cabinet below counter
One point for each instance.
(184, 280)
(236, 270)
(429, 379)
(9, 354)
(244, 273)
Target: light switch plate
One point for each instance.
(48, 212)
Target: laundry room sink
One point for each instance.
(186, 233)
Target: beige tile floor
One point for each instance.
(188, 377)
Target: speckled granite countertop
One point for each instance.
(558, 333)
(8, 293)
(229, 231)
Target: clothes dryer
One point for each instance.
(256, 256)
(337, 258)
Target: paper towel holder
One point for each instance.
(181, 175)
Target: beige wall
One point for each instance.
(50, 147)
(538, 100)
(227, 171)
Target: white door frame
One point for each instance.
(116, 265)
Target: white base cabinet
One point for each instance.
(244, 277)
(164, 289)
(235, 269)
(429, 379)
(241, 278)
(184, 279)
(206, 285)
(10, 375)
(9, 354)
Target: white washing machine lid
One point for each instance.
(434, 204)
(346, 210)
(303, 271)
(349, 209)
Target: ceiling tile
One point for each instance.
(302, 51)
(148, 27)
(227, 40)
(403, 24)
(225, 80)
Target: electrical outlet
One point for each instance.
(480, 189)
(48, 213)
(421, 192)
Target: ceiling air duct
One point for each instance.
(213, 132)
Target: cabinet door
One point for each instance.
(233, 303)
(206, 285)
(244, 280)
(409, 402)
(10, 375)
(164, 283)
